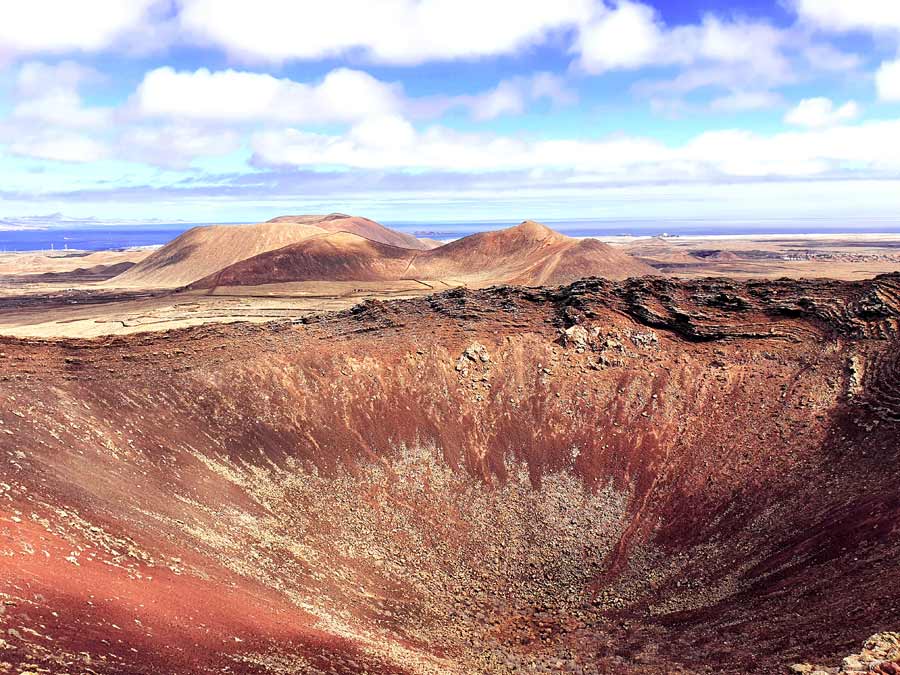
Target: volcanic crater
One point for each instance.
(646, 476)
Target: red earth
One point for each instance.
(529, 254)
(647, 476)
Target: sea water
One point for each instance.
(96, 238)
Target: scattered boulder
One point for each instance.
(647, 339)
(575, 336)
(477, 352)
(880, 654)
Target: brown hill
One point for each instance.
(339, 222)
(338, 256)
(529, 254)
(204, 250)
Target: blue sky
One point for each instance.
(206, 110)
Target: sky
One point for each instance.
(232, 111)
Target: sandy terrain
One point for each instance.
(850, 256)
(90, 313)
(18, 264)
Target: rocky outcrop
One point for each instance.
(880, 654)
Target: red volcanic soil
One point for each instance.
(363, 227)
(529, 254)
(204, 250)
(207, 249)
(639, 477)
(334, 257)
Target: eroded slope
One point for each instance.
(529, 254)
(636, 477)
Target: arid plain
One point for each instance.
(85, 294)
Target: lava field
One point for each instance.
(647, 476)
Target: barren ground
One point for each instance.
(839, 256)
(72, 306)
(646, 477)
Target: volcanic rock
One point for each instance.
(333, 497)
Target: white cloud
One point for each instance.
(388, 31)
(505, 99)
(48, 119)
(821, 112)
(35, 78)
(384, 133)
(739, 101)
(343, 95)
(868, 147)
(175, 145)
(61, 109)
(827, 58)
(842, 15)
(49, 95)
(512, 96)
(887, 80)
(35, 26)
(174, 117)
(60, 146)
(632, 35)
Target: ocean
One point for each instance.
(96, 238)
(90, 238)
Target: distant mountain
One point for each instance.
(205, 250)
(529, 254)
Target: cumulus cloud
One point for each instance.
(48, 118)
(632, 35)
(176, 116)
(389, 31)
(740, 101)
(61, 146)
(343, 95)
(887, 80)
(821, 112)
(48, 94)
(229, 95)
(840, 15)
(711, 155)
(628, 37)
(825, 57)
(748, 59)
(55, 26)
(174, 146)
(513, 96)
